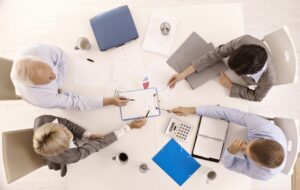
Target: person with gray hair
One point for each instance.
(38, 74)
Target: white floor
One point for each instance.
(27, 21)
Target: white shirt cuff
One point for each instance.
(122, 131)
(86, 135)
(200, 110)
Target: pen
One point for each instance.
(130, 99)
(169, 111)
(90, 60)
(147, 113)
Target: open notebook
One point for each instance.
(210, 139)
(144, 100)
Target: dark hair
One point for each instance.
(247, 59)
(268, 153)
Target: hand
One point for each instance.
(225, 81)
(237, 145)
(174, 79)
(183, 111)
(137, 123)
(116, 101)
(120, 101)
(95, 137)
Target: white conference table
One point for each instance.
(216, 23)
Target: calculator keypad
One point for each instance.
(182, 131)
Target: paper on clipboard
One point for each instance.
(144, 100)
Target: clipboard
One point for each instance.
(207, 157)
(144, 100)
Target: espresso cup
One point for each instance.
(165, 28)
(210, 176)
(121, 158)
(82, 43)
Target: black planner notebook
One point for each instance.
(210, 139)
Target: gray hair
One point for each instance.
(23, 69)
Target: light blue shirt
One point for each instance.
(47, 96)
(257, 127)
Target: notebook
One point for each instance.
(176, 162)
(154, 40)
(193, 48)
(114, 28)
(144, 100)
(210, 139)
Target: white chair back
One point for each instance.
(291, 131)
(284, 55)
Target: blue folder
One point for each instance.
(114, 28)
(176, 162)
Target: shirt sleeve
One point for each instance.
(122, 131)
(60, 60)
(241, 165)
(214, 56)
(92, 146)
(254, 123)
(68, 101)
(264, 85)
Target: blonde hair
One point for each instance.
(23, 69)
(51, 139)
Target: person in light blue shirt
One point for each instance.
(38, 74)
(265, 149)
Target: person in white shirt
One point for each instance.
(38, 74)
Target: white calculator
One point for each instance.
(178, 130)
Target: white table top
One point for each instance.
(216, 23)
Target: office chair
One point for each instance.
(283, 54)
(7, 89)
(291, 131)
(19, 158)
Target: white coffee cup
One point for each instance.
(82, 43)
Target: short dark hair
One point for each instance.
(268, 153)
(248, 59)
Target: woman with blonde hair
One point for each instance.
(56, 139)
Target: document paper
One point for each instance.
(144, 100)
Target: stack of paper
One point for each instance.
(154, 40)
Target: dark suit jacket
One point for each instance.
(266, 81)
(73, 155)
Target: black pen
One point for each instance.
(147, 113)
(129, 99)
(169, 111)
(90, 60)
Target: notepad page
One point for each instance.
(144, 100)
(213, 128)
(208, 147)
